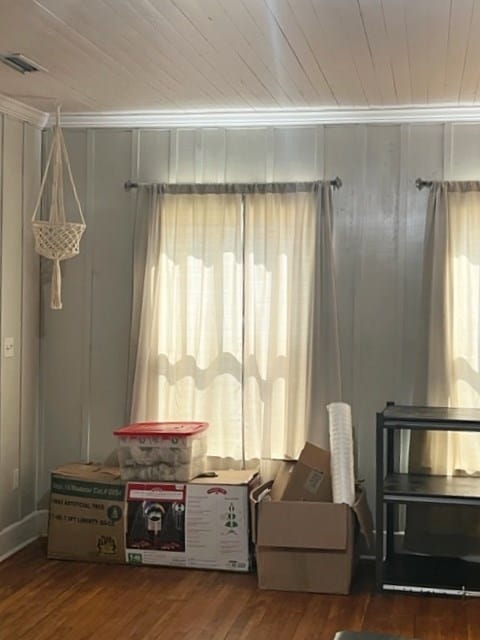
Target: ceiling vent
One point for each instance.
(20, 63)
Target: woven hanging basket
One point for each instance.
(55, 238)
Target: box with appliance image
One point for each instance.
(204, 523)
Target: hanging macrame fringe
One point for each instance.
(56, 286)
(55, 238)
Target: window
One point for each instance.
(227, 325)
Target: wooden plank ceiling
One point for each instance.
(128, 55)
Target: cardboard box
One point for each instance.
(87, 514)
(305, 545)
(203, 524)
(307, 479)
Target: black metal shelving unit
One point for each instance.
(407, 571)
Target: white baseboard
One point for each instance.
(19, 534)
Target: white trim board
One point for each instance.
(242, 118)
(21, 533)
(20, 111)
(269, 117)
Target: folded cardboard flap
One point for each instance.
(307, 479)
(257, 495)
(282, 479)
(304, 525)
(305, 570)
(263, 506)
(90, 471)
(228, 477)
(315, 457)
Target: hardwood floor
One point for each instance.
(46, 599)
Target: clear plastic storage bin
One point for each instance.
(170, 451)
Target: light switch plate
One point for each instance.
(9, 347)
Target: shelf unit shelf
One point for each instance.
(408, 571)
(406, 487)
(431, 574)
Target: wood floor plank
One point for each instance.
(440, 619)
(392, 613)
(44, 599)
(472, 607)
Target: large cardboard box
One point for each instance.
(203, 524)
(87, 514)
(305, 545)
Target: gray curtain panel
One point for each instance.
(433, 529)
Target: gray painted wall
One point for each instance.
(379, 223)
(20, 146)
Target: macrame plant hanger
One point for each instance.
(55, 238)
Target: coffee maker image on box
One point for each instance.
(153, 513)
(156, 525)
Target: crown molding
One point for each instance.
(269, 117)
(242, 117)
(20, 111)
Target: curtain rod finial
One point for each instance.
(419, 183)
(336, 183)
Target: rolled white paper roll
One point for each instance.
(341, 452)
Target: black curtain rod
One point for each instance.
(420, 184)
(233, 188)
(451, 185)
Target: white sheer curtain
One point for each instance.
(189, 355)
(279, 293)
(227, 329)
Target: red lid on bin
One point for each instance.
(162, 429)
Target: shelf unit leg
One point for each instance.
(379, 551)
